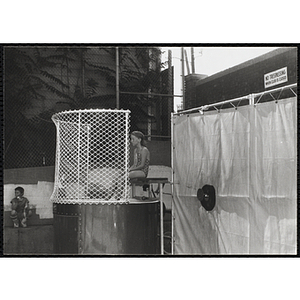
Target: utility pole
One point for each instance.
(170, 89)
(193, 60)
(187, 63)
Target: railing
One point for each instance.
(251, 99)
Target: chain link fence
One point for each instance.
(40, 81)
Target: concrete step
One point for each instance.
(34, 220)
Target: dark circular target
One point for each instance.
(207, 197)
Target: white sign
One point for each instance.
(276, 77)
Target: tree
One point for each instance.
(39, 81)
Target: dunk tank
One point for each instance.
(92, 209)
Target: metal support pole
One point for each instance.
(205, 107)
(151, 94)
(78, 158)
(251, 99)
(182, 74)
(127, 151)
(149, 127)
(172, 183)
(117, 79)
(161, 219)
(82, 73)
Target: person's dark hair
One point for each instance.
(140, 135)
(20, 189)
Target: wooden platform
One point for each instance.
(142, 181)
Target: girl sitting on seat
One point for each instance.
(141, 154)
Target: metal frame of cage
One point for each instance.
(92, 157)
(252, 99)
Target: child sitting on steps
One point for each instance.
(20, 208)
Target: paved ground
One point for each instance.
(33, 240)
(38, 240)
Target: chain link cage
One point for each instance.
(92, 157)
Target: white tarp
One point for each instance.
(249, 155)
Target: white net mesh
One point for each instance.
(92, 157)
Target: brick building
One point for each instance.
(241, 80)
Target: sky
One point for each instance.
(209, 61)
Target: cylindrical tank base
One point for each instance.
(107, 229)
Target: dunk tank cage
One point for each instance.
(92, 211)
